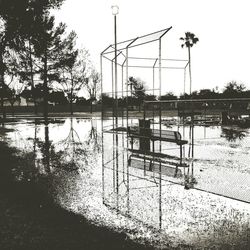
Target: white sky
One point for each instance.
(222, 26)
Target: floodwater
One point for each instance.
(149, 206)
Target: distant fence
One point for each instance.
(52, 109)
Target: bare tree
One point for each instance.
(29, 67)
(93, 86)
(11, 61)
(74, 76)
(16, 88)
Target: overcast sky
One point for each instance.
(222, 26)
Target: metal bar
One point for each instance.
(153, 105)
(204, 100)
(107, 58)
(102, 108)
(130, 44)
(128, 200)
(111, 60)
(164, 31)
(160, 198)
(159, 66)
(153, 59)
(106, 49)
(123, 48)
(144, 43)
(116, 87)
(159, 31)
(164, 67)
(128, 91)
(123, 153)
(160, 121)
(116, 114)
(150, 59)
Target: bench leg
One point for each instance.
(150, 165)
(180, 155)
(176, 170)
(129, 161)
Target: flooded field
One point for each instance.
(149, 206)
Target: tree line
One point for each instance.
(139, 94)
(39, 58)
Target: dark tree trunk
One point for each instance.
(91, 101)
(71, 106)
(47, 149)
(32, 79)
(2, 85)
(71, 93)
(45, 89)
(12, 109)
(189, 67)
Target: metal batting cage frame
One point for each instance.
(137, 142)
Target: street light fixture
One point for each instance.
(115, 10)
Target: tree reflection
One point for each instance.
(51, 157)
(73, 150)
(232, 134)
(94, 138)
(46, 149)
(76, 153)
(68, 154)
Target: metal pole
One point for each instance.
(160, 116)
(127, 117)
(116, 100)
(102, 116)
(116, 114)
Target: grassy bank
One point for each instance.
(29, 219)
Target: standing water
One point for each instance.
(159, 211)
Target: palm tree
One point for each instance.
(188, 41)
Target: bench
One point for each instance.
(158, 157)
(157, 167)
(156, 135)
(145, 135)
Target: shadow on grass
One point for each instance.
(29, 219)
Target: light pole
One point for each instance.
(115, 11)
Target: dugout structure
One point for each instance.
(133, 135)
(138, 145)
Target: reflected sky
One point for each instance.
(150, 206)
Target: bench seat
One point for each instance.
(157, 157)
(156, 135)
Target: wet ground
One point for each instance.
(146, 207)
(30, 218)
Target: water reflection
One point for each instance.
(133, 191)
(94, 138)
(72, 148)
(233, 134)
(140, 199)
(45, 148)
(133, 182)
